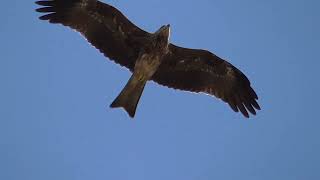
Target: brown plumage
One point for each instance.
(150, 56)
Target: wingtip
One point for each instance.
(45, 17)
(256, 105)
(44, 3)
(45, 9)
(246, 114)
(41, 3)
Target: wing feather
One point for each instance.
(102, 25)
(201, 71)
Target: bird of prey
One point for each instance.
(150, 56)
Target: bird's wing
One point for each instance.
(201, 71)
(102, 25)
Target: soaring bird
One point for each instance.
(150, 56)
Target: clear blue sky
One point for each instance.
(56, 89)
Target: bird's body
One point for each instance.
(150, 56)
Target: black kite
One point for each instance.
(150, 56)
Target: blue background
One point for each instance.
(55, 120)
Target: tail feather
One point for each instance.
(130, 95)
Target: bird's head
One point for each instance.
(164, 31)
(163, 34)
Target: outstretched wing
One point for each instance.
(102, 25)
(201, 71)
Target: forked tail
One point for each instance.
(130, 95)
